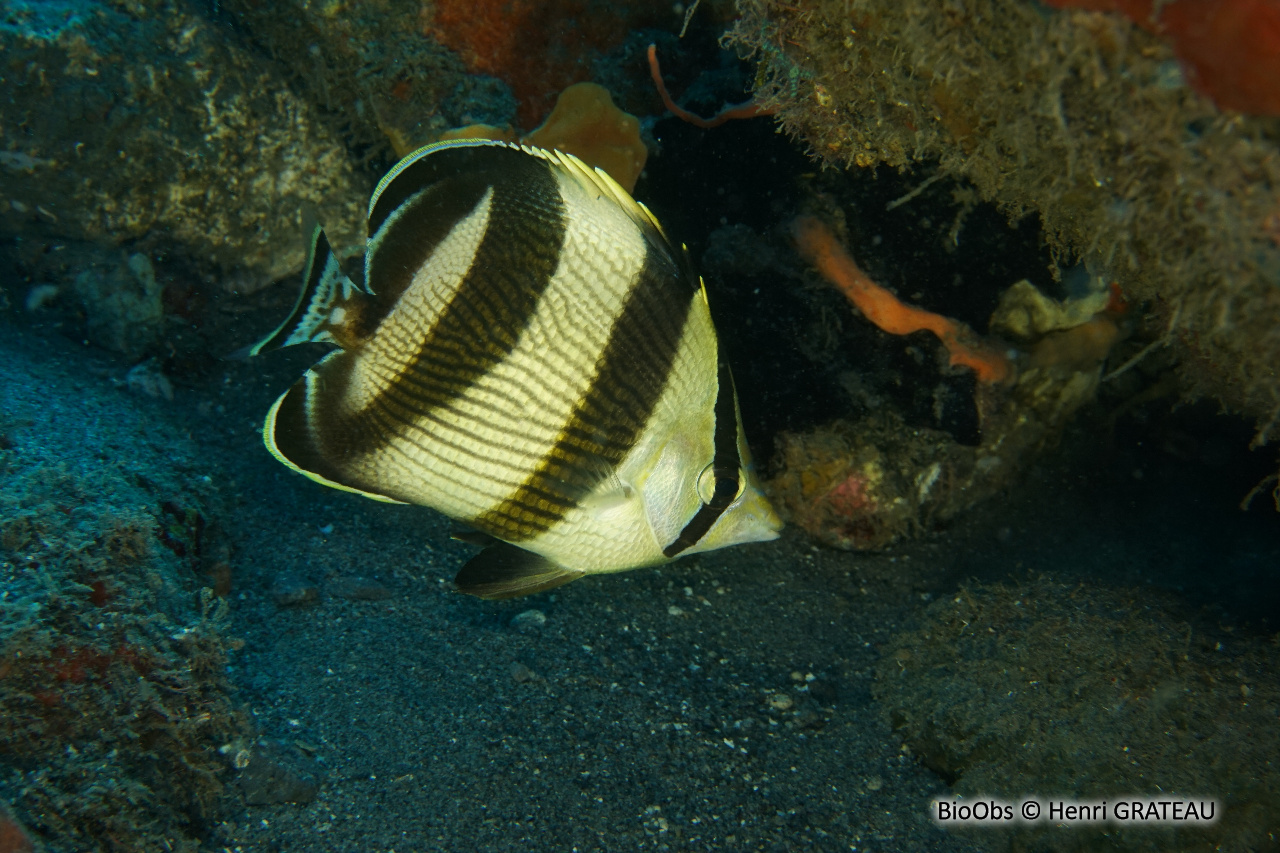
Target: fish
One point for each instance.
(529, 354)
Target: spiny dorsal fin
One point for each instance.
(403, 180)
(597, 180)
(505, 571)
(330, 308)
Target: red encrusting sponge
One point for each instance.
(1229, 49)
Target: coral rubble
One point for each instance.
(115, 705)
(862, 485)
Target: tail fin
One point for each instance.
(329, 309)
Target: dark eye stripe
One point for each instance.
(727, 485)
(726, 461)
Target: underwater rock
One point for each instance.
(37, 297)
(1039, 687)
(1026, 314)
(290, 590)
(1129, 170)
(400, 75)
(521, 674)
(528, 621)
(123, 305)
(168, 132)
(852, 486)
(866, 484)
(392, 87)
(149, 380)
(279, 774)
(114, 697)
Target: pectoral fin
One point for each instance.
(505, 571)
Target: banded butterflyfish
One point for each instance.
(531, 355)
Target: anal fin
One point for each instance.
(505, 571)
(474, 537)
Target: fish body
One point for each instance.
(530, 355)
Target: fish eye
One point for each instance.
(719, 486)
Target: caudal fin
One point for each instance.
(330, 308)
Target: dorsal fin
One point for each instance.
(505, 571)
(404, 179)
(597, 180)
(330, 309)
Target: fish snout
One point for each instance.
(752, 518)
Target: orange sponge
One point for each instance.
(818, 245)
(586, 123)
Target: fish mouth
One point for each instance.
(771, 521)
(754, 518)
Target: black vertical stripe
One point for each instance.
(442, 167)
(514, 263)
(433, 194)
(309, 444)
(631, 374)
(726, 466)
(291, 435)
(493, 304)
(425, 219)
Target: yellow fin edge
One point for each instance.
(593, 177)
(268, 438)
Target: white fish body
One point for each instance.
(531, 356)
